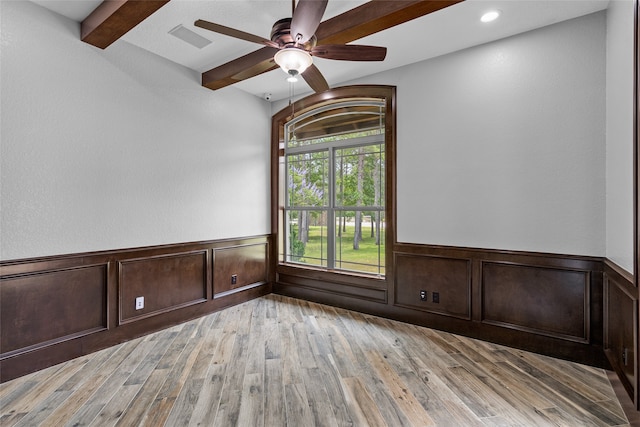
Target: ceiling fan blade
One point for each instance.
(232, 32)
(350, 52)
(306, 19)
(315, 79)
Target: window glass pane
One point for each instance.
(307, 237)
(359, 176)
(360, 238)
(307, 177)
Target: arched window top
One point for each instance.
(343, 119)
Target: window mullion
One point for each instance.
(331, 216)
(285, 203)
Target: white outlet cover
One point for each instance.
(139, 303)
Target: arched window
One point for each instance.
(333, 179)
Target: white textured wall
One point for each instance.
(620, 133)
(119, 148)
(503, 145)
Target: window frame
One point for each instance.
(387, 94)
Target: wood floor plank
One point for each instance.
(403, 398)
(256, 348)
(114, 409)
(274, 408)
(173, 343)
(290, 357)
(252, 401)
(444, 409)
(185, 403)
(278, 361)
(206, 408)
(438, 352)
(82, 389)
(188, 397)
(167, 396)
(521, 384)
(566, 393)
(229, 409)
(297, 405)
(593, 390)
(526, 412)
(480, 398)
(335, 392)
(43, 389)
(45, 407)
(115, 372)
(318, 398)
(304, 346)
(235, 377)
(140, 404)
(244, 317)
(362, 407)
(272, 343)
(317, 340)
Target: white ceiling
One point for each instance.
(454, 28)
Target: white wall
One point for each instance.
(620, 133)
(503, 145)
(119, 148)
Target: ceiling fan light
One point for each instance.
(293, 76)
(292, 58)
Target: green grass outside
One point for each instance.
(316, 248)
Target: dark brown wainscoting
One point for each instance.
(546, 303)
(239, 267)
(620, 323)
(57, 308)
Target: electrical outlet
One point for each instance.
(139, 303)
(423, 295)
(234, 279)
(436, 297)
(624, 356)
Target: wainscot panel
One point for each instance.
(57, 308)
(620, 320)
(433, 284)
(334, 286)
(47, 307)
(547, 301)
(236, 267)
(165, 282)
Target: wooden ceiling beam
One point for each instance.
(114, 18)
(375, 16)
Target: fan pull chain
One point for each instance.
(291, 103)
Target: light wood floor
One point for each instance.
(278, 361)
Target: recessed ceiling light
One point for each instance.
(492, 15)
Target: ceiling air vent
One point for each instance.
(188, 36)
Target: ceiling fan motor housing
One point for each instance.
(281, 34)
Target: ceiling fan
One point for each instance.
(293, 44)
